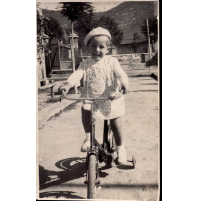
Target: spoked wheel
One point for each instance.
(91, 176)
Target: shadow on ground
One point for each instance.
(60, 194)
(72, 168)
(144, 91)
(152, 75)
(150, 84)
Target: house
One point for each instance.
(59, 61)
(60, 56)
(129, 46)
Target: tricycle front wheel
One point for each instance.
(91, 176)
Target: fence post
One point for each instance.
(72, 53)
(149, 48)
(52, 92)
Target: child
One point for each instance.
(101, 75)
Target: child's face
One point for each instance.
(98, 47)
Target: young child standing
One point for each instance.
(101, 76)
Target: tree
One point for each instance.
(80, 13)
(153, 28)
(47, 28)
(42, 45)
(82, 16)
(75, 10)
(86, 24)
(82, 27)
(54, 29)
(112, 26)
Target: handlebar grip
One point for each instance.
(63, 93)
(113, 97)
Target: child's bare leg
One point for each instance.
(116, 126)
(86, 116)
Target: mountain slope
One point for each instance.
(64, 21)
(129, 16)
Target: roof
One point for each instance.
(131, 41)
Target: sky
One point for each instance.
(98, 6)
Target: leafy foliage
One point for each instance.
(112, 26)
(54, 29)
(47, 28)
(153, 60)
(75, 10)
(42, 29)
(86, 24)
(129, 16)
(81, 13)
(153, 28)
(82, 27)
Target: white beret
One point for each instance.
(96, 32)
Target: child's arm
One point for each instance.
(72, 80)
(122, 76)
(75, 77)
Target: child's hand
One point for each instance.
(65, 87)
(124, 87)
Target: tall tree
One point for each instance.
(42, 33)
(82, 27)
(54, 29)
(47, 27)
(80, 13)
(74, 11)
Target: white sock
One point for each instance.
(88, 136)
(120, 147)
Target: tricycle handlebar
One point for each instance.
(77, 96)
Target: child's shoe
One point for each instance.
(121, 154)
(86, 143)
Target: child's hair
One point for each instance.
(108, 42)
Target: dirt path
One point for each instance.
(61, 138)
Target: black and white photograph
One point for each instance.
(98, 100)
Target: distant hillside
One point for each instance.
(129, 16)
(64, 21)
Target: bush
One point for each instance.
(153, 61)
